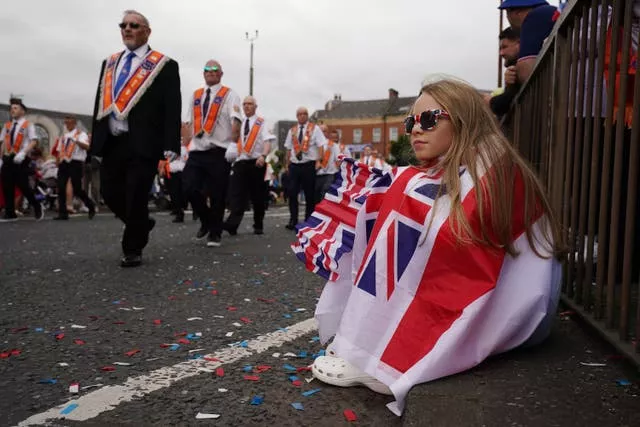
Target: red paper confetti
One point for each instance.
(18, 330)
(261, 368)
(252, 378)
(172, 297)
(184, 341)
(59, 336)
(108, 368)
(180, 334)
(119, 322)
(94, 318)
(231, 308)
(5, 355)
(132, 352)
(220, 372)
(268, 301)
(15, 352)
(214, 292)
(297, 383)
(79, 342)
(165, 345)
(304, 369)
(245, 319)
(157, 322)
(350, 415)
(212, 359)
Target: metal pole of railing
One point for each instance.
(500, 28)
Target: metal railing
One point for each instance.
(577, 120)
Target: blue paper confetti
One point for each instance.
(192, 337)
(297, 406)
(248, 368)
(257, 400)
(311, 392)
(315, 339)
(48, 381)
(286, 316)
(288, 367)
(293, 378)
(174, 347)
(196, 356)
(39, 329)
(69, 409)
(302, 354)
(283, 329)
(244, 344)
(116, 302)
(623, 382)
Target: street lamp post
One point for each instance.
(251, 40)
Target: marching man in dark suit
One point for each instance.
(136, 122)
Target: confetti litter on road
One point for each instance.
(245, 320)
(157, 322)
(262, 368)
(48, 381)
(180, 334)
(229, 334)
(231, 308)
(303, 369)
(311, 392)
(268, 301)
(184, 341)
(63, 364)
(248, 368)
(196, 357)
(257, 400)
(296, 383)
(247, 300)
(74, 388)
(289, 368)
(212, 359)
(302, 354)
(138, 308)
(195, 350)
(244, 344)
(203, 416)
(119, 322)
(152, 359)
(132, 352)
(69, 409)
(87, 387)
(39, 329)
(293, 378)
(191, 319)
(222, 390)
(218, 316)
(59, 337)
(276, 355)
(237, 324)
(315, 339)
(290, 355)
(15, 352)
(300, 310)
(214, 292)
(57, 270)
(595, 365)
(286, 316)
(174, 347)
(220, 372)
(252, 378)
(623, 382)
(122, 364)
(350, 415)
(308, 380)
(297, 406)
(78, 327)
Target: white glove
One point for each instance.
(170, 156)
(232, 153)
(0, 163)
(19, 158)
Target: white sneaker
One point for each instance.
(336, 371)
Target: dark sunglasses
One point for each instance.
(427, 120)
(132, 25)
(211, 68)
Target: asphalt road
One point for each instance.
(54, 275)
(68, 310)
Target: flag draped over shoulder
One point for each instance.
(406, 303)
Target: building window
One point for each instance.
(393, 134)
(357, 136)
(339, 134)
(377, 135)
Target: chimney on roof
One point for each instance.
(337, 98)
(393, 94)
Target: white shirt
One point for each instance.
(315, 140)
(263, 137)
(372, 162)
(331, 167)
(222, 128)
(178, 164)
(78, 152)
(345, 150)
(30, 135)
(117, 127)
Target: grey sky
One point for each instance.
(306, 50)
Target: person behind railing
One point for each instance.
(535, 20)
(509, 51)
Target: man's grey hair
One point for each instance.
(135, 12)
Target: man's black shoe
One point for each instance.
(92, 212)
(202, 233)
(178, 219)
(152, 223)
(213, 241)
(290, 226)
(232, 231)
(258, 231)
(61, 218)
(131, 261)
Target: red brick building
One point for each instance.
(374, 122)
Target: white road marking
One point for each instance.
(107, 398)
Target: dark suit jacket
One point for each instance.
(154, 122)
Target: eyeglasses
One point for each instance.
(427, 120)
(132, 25)
(211, 68)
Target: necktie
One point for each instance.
(13, 132)
(246, 128)
(301, 134)
(205, 107)
(124, 73)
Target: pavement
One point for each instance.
(68, 311)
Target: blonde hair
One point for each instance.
(479, 145)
